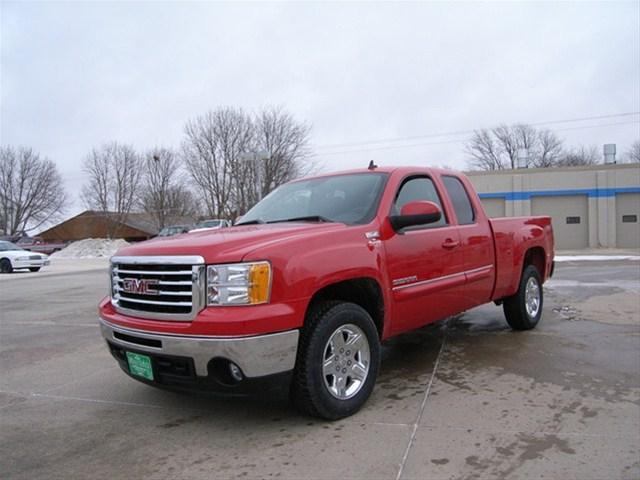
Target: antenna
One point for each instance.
(372, 166)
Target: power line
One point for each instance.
(460, 140)
(596, 126)
(468, 132)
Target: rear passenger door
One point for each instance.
(424, 262)
(476, 244)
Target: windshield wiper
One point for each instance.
(250, 222)
(308, 218)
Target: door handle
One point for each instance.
(449, 244)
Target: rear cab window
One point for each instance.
(460, 200)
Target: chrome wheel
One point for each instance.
(532, 297)
(346, 361)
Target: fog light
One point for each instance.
(235, 372)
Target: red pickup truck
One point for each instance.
(309, 282)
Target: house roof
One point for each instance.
(137, 220)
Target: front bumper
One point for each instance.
(18, 264)
(257, 356)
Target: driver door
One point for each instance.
(424, 262)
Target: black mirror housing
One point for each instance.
(398, 222)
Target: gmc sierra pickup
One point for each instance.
(310, 281)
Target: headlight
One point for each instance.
(239, 283)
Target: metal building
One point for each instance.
(593, 206)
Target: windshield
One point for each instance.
(351, 199)
(210, 224)
(7, 246)
(168, 231)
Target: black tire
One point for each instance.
(34, 269)
(5, 266)
(515, 307)
(309, 391)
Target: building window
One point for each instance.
(573, 220)
(629, 219)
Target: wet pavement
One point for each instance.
(463, 399)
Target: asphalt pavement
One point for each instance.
(463, 399)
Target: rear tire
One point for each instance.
(524, 309)
(34, 269)
(5, 266)
(338, 361)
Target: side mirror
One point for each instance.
(420, 212)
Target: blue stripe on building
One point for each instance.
(589, 192)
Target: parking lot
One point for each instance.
(466, 398)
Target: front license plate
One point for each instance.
(140, 365)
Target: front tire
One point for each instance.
(338, 361)
(5, 266)
(524, 309)
(34, 269)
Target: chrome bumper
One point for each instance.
(257, 356)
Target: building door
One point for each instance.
(628, 220)
(570, 218)
(494, 207)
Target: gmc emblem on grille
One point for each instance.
(141, 286)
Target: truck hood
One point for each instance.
(228, 244)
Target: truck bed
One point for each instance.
(514, 236)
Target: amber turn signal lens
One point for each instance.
(259, 283)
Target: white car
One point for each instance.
(13, 257)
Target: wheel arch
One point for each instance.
(2, 259)
(535, 256)
(363, 291)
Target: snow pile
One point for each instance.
(91, 248)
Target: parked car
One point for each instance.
(174, 230)
(211, 224)
(313, 278)
(37, 244)
(13, 257)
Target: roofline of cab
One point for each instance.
(389, 170)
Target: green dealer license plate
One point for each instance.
(140, 365)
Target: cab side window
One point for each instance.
(419, 188)
(460, 199)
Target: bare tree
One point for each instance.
(484, 151)
(580, 156)
(31, 190)
(235, 159)
(164, 195)
(114, 176)
(508, 141)
(497, 148)
(283, 146)
(550, 149)
(212, 148)
(633, 154)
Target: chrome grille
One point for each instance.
(163, 288)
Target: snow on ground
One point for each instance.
(591, 258)
(90, 248)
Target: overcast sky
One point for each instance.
(75, 75)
